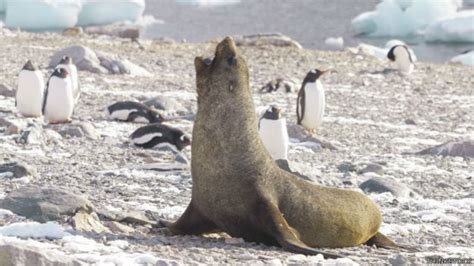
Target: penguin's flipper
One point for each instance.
(45, 97)
(300, 105)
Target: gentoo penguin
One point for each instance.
(158, 135)
(29, 94)
(273, 132)
(66, 62)
(131, 111)
(400, 54)
(274, 85)
(58, 104)
(311, 101)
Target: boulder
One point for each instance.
(371, 168)
(380, 185)
(44, 204)
(463, 148)
(6, 91)
(17, 170)
(298, 132)
(273, 39)
(87, 222)
(12, 254)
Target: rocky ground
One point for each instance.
(376, 118)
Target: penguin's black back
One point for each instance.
(391, 53)
(169, 135)
(127, 105)
(29, 66)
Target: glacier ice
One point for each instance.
(457, 28)
(60, 14)
(102, 12)
(407, 17)
(465, 59)
(42, 14)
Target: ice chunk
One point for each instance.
(456, 28)
(33, 229)
(465, 59)
(403, 17)
(101, 12)
(42, 14)
(335, 43)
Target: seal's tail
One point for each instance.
(381, 241)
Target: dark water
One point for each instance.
(309, 22)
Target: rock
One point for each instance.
(71, 131)
(399, 260)
(180, 157)
(118, 228)
(32, 136)
(381, 185)
(12, 254)
(11, 126)
(73, 31)
(115, 30)
(6, 91)
(274, 39)
(77, 129)
(44, 204)
(371, 168)
(52, 135)
(409, 121)
(84, 58)
(87, 222)
(284, 164)
(346, 167)
(170, 106)
(297, 132)
(463, 148)
(17, 170)
(136, 218)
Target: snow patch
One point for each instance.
(34, 230)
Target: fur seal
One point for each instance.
(239, 189)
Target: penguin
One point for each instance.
(400, 54)
(30, 91)
(131, 111)
(274, 85)
(66, 62)
(273, 132)
(58, 104)
(158, 135)
(311, 101)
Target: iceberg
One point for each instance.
(403, 17)
(456, 28)
(102, 12)
(465, 59)
(42, 14)
(2, 6)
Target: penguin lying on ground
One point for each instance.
(311, 101)
(400, 54)
(58, 104)
(274, 85)
(66, 62)
(158, 135)
(131, 111)
(273, 132)
(30, 91)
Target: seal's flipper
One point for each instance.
(381, 241)
(192, 222)
(275, 224)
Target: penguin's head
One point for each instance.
(314, 75)
(60, 73)
(65, 60)
(272, 113)
(29, 66)
(155, 116)
(182, 141)
(224, 76)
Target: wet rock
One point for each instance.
(273, 39)
(44, 204)
(17, 170)
(6, 91)
(371, 168)
(463, 148)
(170, 105)
(87, 222)
(381, 185)
(346, 167)
(17, 254)
(118, 228)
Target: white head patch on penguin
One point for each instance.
(30, 91)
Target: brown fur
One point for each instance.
(239, 189)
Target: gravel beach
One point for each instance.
(376, 119)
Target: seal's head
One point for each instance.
(223, 77)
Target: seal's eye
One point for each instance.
(231, 60)
(208, 61)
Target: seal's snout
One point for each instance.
(226, 48)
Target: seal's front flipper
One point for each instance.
(381, 241)
(270, 217)
(192, 222)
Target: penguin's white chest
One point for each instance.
(60, 101)
(29, 95)
(402, 60)
(315, 103)
(274, 136)
(72, 69)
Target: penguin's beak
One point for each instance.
(325, 71)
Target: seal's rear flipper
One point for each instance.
(275, 225)
(381, 241)
(192, 222)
